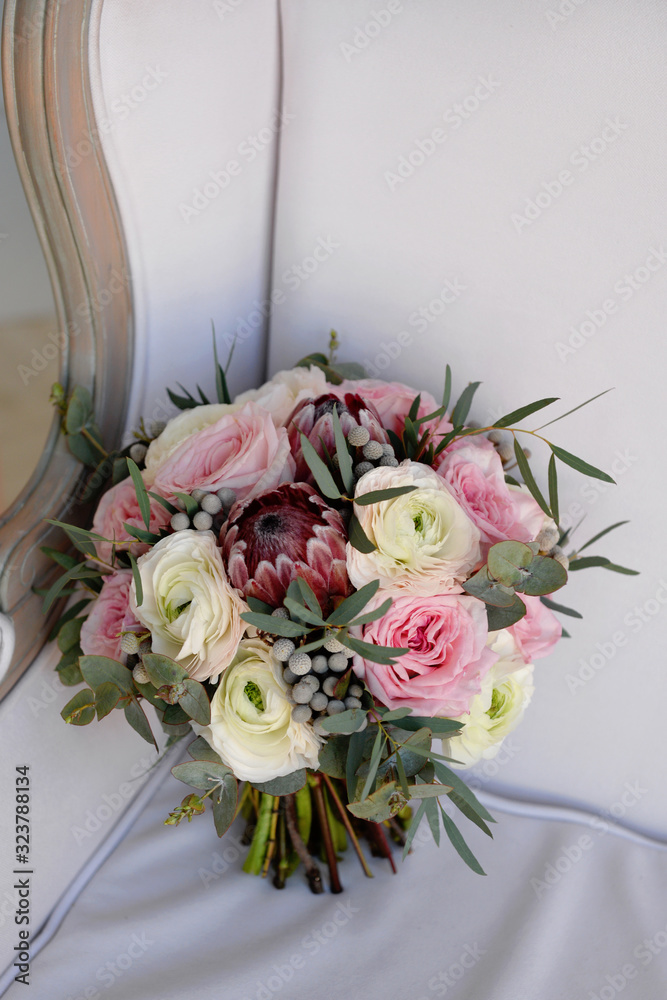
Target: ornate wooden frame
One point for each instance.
(48, 49)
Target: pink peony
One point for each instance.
(501, 512)
(286, 533)
(117, 506)
(447, 659)
(537, 632)
(393, 400)
(312, 417)
(243, 451)
(111, 615)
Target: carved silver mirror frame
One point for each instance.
(47, 47)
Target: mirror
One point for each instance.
(29, 356)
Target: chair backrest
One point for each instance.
(479, 185)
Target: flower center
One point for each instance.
(497, 702)
(254, 695)
(269, 525)
(175, 611)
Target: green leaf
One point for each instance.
(303, 614)
(580, 466)
(528, 477)
(62, 558)
(469, 813)
(136, 576)
(459, 843)
(67, 616)
(98, 670)
(371, 616)
(70, 634)
(321, 474)
(357, 536)
(81, 709)
(225, 800)
(68, 668)
(449, 777)
(308, 595)
(447, 392)
(574, 409)
(379, 806)
(433, 817)
(163, 503)
(560, 607)
(462, 408)
(376, 654)
(508, 562)
(376, 755)
(505, 617)
(163, 670)
(429, 791)
(195, 702)
(256, 605)
(601, 534)
(402, 777)
(191, 506)
(395, 714)
(353, 604)
(78, 572)
(81, 538)
(438, 726)
(286, 785)
(86, 449)
(355, 754)
(484, 588)
(200, 749)
(220, 378)
(345, 722)
(175, 716)
(80, 412)
(149, 537)
(546, 576)
(524, 411)
(186, 402)
(333, 757)
(140, 490)
(344, 457)
(377, 496)
(412, 830)
(553, 489)
(274, 626)
(201, 774)
(107, 696)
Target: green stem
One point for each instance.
(89, 437)
(326, 834)
(253, 863)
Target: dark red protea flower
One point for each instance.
(312, 417)
(285, 533)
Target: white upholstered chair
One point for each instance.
(480, 184)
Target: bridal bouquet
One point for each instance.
(336, 584)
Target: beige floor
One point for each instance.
(30, 364)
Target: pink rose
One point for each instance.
(243, 451)
(537, 632)
(448, 654)
(393, 400)
(501, 512)
(118, 506)
(111, 615)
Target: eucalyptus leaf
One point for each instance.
(459, 843)
(508, 561)
(601, 534)
(274, 626)
(163, 670)
(344, 458)
(200, 749)
(140, 490)
(560, 608)
(286, 785)
(377, 496)
(107, 697)
(580, 465)
(488, 590)
(225, 800)
(357, 536)
(201, 774)
(136, 717)
(524, 411)
(80, 710)
(553, 489)
(546, 576)
(195, 703)
(98, 670)
(447, 392)
(528, 477)
(381, 805)
(321, 473)
(462, 408)
(344, 722)
(498, 618)
(353, 604)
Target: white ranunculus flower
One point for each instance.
(425, 543)
(181, 427)
(192, 612)
(287, 388)
(251, 719)
(498, 709)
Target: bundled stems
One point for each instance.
(312, 871)
(326, 834)
(347, 824)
